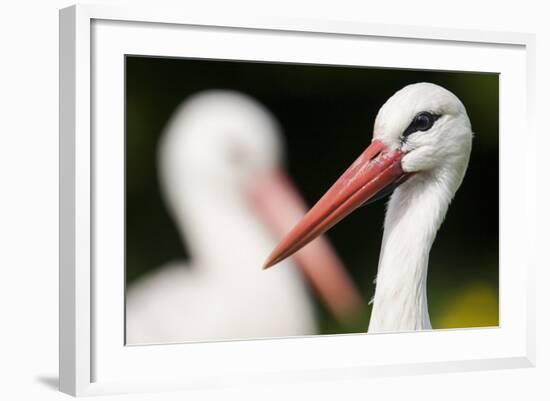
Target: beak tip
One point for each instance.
(269, 263)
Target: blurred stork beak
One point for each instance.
(277, 202)
(376, 168)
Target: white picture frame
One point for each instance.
(93, 358)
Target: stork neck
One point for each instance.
(415, 213)
(215, 226)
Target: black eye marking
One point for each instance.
(423, 121)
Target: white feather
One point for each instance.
(438, 159)
(213, 145)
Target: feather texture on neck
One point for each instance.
(415, 213)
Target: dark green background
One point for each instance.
(327, 114)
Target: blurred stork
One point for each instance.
(420, 151)
(219, 164)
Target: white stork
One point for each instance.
(219, 163)
(420, 151)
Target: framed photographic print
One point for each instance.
(264, 201)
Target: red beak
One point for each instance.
(279, 204)
(374, 170)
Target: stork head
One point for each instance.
(216, 143)
(428, 125)
(422, 130)
(220, 158)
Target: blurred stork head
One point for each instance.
(220, 165)
(217, 143)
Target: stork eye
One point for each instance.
(422, 122)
